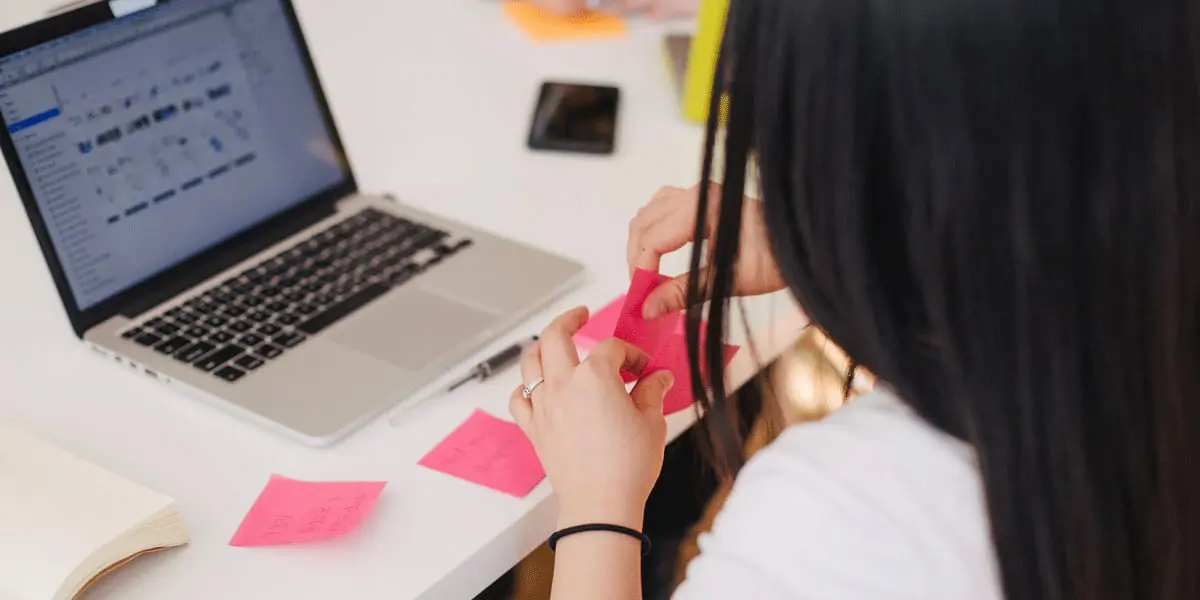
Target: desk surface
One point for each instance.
(433, 100)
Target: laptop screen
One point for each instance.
(153, 137)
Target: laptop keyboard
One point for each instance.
(261, 313)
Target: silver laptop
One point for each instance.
(186, 182)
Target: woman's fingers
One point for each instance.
(521, 409)
(663, 205)
(670, 296)
(557, 346)
(614, 355)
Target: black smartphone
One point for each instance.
(573, 117)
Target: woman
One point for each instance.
(992, 206)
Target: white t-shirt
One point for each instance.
(870, 503)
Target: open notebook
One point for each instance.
(65, 522)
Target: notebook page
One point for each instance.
(56, 510)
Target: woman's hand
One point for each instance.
(658, 9)
(601, 447)
(668, 222)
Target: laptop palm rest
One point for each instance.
(411, 329)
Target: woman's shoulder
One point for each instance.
(871, 502)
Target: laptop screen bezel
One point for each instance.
(177, 279)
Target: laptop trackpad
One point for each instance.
(412, 329)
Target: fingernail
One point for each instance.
(651, 310)
(669, 381)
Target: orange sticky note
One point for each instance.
(490, 452)
(292, 512)
(545, 26)
(600, 325)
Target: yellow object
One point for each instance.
(544, 26)
(702, 60)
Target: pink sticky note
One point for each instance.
(491, 452)
(633, 327)
(292, 512)
(600, 325)
(672, 356)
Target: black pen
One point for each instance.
(483, 371)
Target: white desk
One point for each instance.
(433, 99)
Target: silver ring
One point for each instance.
(527, 391)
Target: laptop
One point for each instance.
(182, 172)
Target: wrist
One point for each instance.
(629, 515)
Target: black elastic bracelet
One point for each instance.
(633, 533)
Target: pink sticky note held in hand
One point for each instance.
(490, 452)
(600, 325)
(672, 356)
(292, 512)
(632, 327)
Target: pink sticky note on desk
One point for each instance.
(672, 356)
(600, 325)
(292, 512)
(490, 452)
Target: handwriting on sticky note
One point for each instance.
(600, 325)
(543, 26)
(291, 512)
(490, 452)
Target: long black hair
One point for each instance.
(992, 206)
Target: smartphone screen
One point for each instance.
(575, 118)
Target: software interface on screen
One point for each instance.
(150, 138)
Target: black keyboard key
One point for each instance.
(323, 299)
(258, 316)
(147, 339)
(196, 331)
(218, 358)
(167, 329)
(295, 296)
(306, 309)
(223, 296)
(312, 287)
(132, 333)
(277, 306)
(252, 301)
(233, 311)
(216, 321)
(269, 292)
(173, 345)
(185, 317)
(205, 308)
(230, 374)
(348, 305)
(463, 243)
(222, 337)
(153, 323)
(287, 319)
(242, 288)
(240, 326)
(269, 329)
(174, 311)
(289, 340)
(269, 351)
(250, 339)
(194, 352)
(288, 282)
(249, 362)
